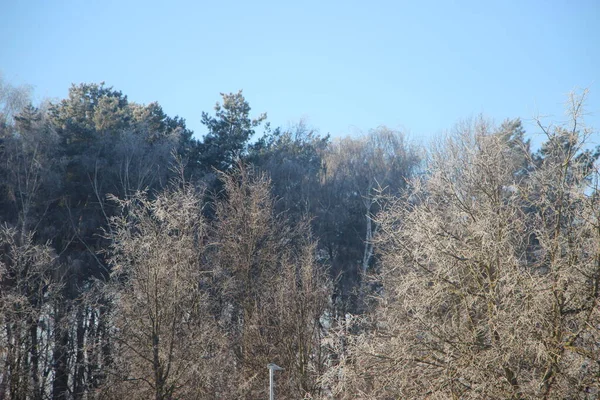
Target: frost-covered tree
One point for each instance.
(490, 275)
(164, 341)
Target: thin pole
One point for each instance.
(271, 390)
(272, 368)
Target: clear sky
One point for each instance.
(346, 66)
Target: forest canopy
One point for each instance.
(140, 261)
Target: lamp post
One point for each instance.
(272, 367)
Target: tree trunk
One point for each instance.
(60, 355)
(79, 372)
(35, 359)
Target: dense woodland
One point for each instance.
(138, 261)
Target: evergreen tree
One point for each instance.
(229, 131)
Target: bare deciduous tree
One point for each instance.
(270, 290)
(26, 289)
(490, 276)
(357, 171)
(164, 338)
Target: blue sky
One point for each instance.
(345, 66)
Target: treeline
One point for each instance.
(137, 261)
